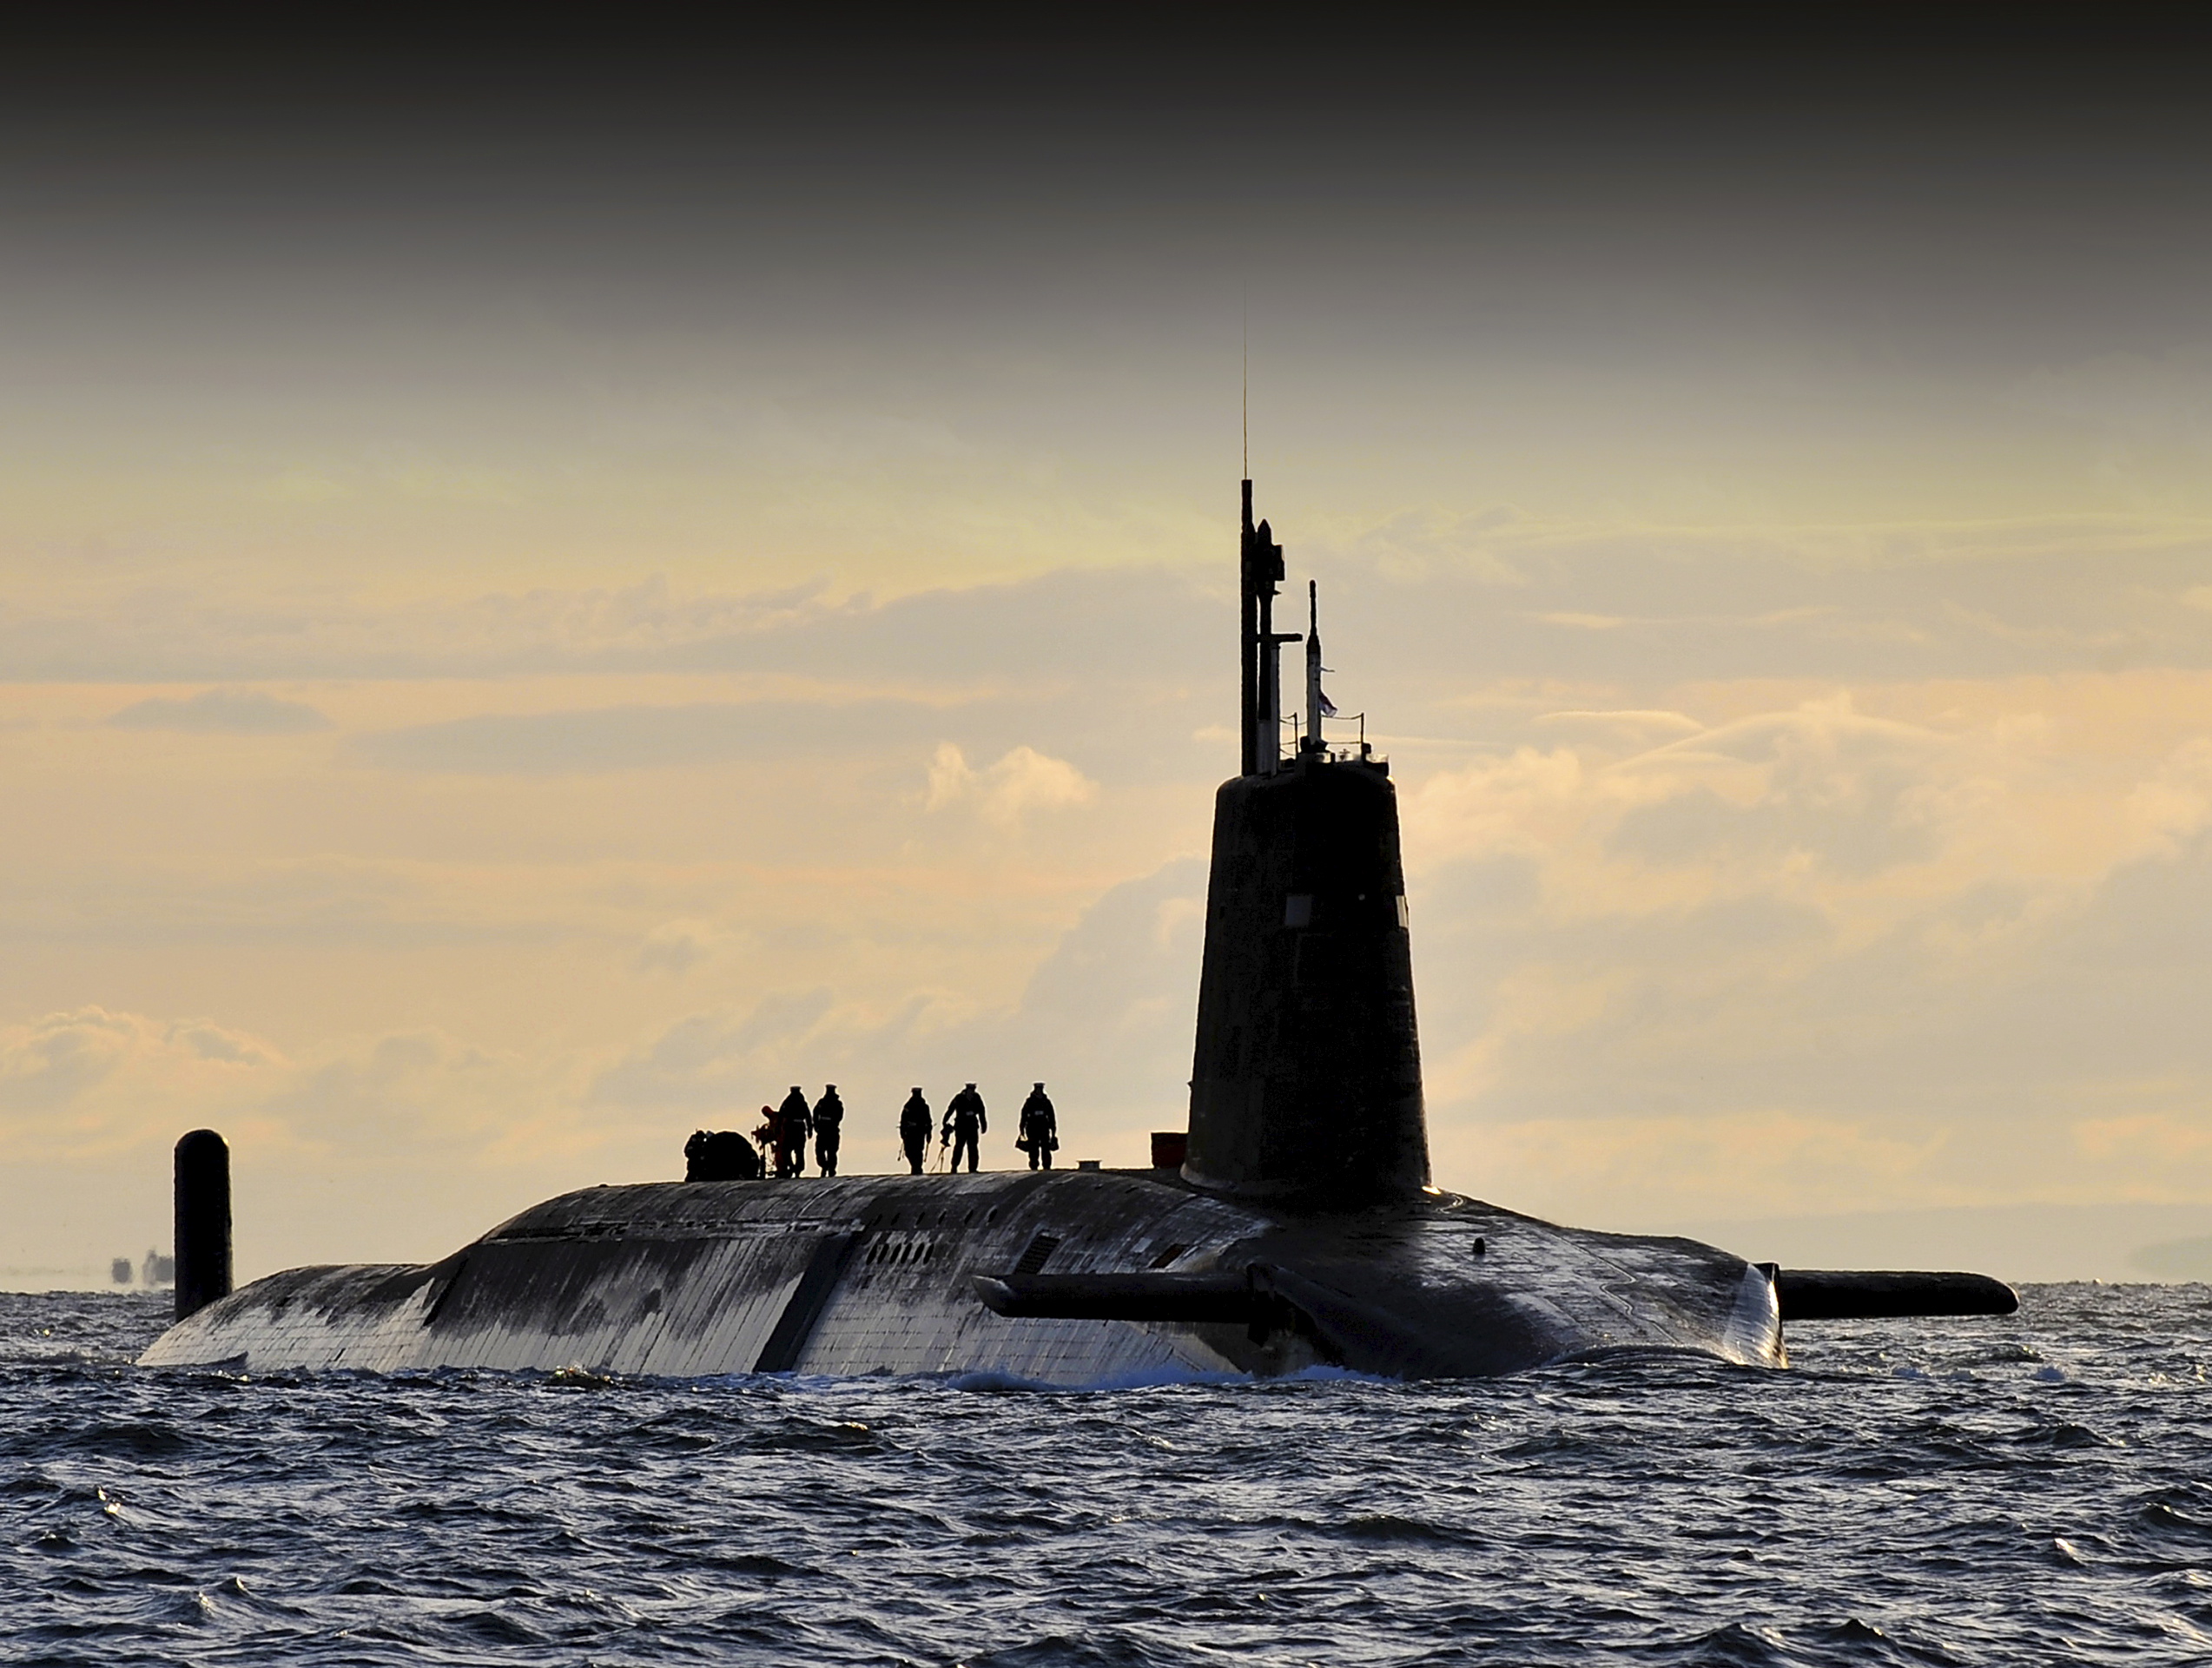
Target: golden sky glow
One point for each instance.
(488, 689)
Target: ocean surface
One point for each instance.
(2035, 1490)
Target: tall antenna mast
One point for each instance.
(1316, 704)
(1261, 570)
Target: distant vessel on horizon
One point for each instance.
(157, 1270)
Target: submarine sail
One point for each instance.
(1305, 1083)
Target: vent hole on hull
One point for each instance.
(1034, 1254)
(1167, 1255)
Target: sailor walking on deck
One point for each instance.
(792, 1123)
(914, 1122)
(1040, 1129)
(829, 1129)
(964, 1122)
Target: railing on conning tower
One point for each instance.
(1361, 751)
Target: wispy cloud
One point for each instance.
(222, 712)
(597, 741)
(675, 947)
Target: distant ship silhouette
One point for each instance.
(155, 1270)
(1296, 1228)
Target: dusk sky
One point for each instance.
(548, 593)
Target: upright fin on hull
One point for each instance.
(1306, 1082)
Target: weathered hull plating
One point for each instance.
(867, 1275)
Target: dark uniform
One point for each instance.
(964, 1122)
(829, 1129)
(1040, 1129)
(792, 1120)
(913, 1130)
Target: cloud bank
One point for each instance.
(222, 712)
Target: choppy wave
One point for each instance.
(2032, 1490)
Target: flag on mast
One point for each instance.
(1317, 704)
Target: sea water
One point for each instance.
(2031, 1490)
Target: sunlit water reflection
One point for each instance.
(2032, 1490)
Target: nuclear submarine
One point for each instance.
(1292, 1226)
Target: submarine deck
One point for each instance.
(878, 1274)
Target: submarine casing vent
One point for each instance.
(1306, 1082)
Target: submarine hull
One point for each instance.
(897, 1275)
(1299, 1231)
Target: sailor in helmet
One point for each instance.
(914, 1122)
(964, 1122)
(829, 1129)
(1040, 1129)
(793, 1122)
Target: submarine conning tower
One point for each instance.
(1305, 1087)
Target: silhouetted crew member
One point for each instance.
(964, 1122)
(913, 1130)
(829, 1129)
(792, 1121)
(1040, 1129)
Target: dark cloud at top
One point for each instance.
(951, 86)
(1949, 175)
